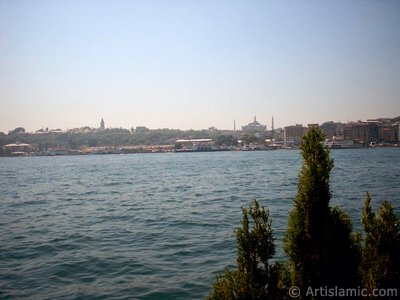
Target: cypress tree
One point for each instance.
(255, 244)
(319, 241)
(380, 266)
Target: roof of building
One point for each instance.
(18, 145)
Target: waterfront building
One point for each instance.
(398, 131)
(362, 132)
(388, 133)
(293, 134)
(19, 149)
(340, 131)
(329, 129)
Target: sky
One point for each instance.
(194, 64)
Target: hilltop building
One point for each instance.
(255, 128)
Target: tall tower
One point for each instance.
(234, 125)
(272, 129)
(102, 124)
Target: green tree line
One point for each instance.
(111, 137)
(321, 247)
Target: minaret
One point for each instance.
(102, 124)
(272, 130)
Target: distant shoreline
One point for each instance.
(163, 149)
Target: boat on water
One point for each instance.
(343, 144)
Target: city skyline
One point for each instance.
(193, 65)
(235, 127)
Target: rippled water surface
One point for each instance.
(154, 226)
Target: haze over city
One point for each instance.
(196, 64)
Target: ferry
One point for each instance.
(343, 144)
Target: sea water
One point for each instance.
(155, 226)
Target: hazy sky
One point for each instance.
(195, 64)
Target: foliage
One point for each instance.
(255, 245)
(322, 250)
(249, 138)
(226, 140)
(224, 287)
(319, 240)
(17, 130)
(380, 266)
(109, 137)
